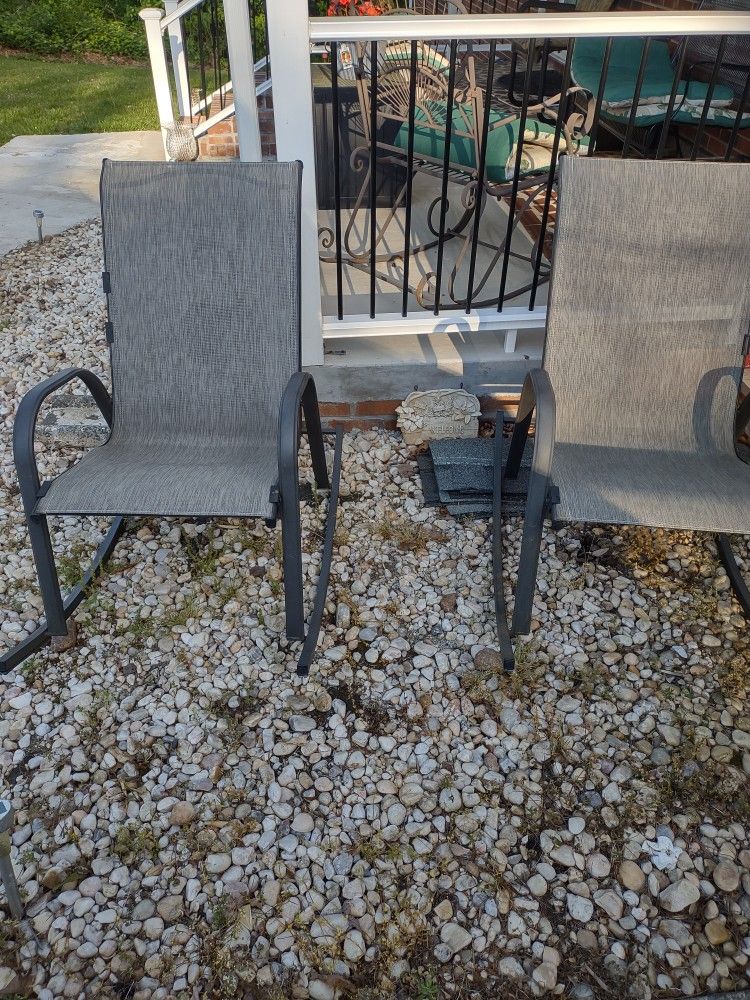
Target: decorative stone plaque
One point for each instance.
(438, 413)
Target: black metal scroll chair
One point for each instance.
(428, 116)
(635, 403)
(202, 273)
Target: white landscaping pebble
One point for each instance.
(192, 817)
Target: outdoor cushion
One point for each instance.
(398, 55)
(429, 140)
(622, 74)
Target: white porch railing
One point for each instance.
(292, 34)
(171, 78)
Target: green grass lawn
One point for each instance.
(39, 97)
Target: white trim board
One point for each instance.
(484, 27)
(509, 321)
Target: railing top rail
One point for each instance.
(182, 8)
(481, 27)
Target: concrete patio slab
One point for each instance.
(60, 175)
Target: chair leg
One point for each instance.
(740, 588)
(291, 542)
(315, 436)
(321, 590)
(44, 559)
(531, 543)
(501, 613)
(42, 550)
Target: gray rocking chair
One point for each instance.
(202, 273)
(636, 402)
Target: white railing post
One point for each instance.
(179, 65)
(242, 71)
(151, 18)
(289, 44)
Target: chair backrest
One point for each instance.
(204, 269)
(649, 302)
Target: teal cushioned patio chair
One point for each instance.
(656, 86)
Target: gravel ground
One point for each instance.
(195, 821)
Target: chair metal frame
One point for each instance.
(538, 402)
(299, 398)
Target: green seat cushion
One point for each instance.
(622, 74)
(429, 140)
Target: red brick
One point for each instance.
(335, 409)
(377, 407)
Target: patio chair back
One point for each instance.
(203, 269)
(649, 303)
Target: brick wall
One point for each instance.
(221, 139)
(381, 413)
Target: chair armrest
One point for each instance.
(25, 425)
(301, 394)
(537, 395)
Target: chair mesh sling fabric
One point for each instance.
(636, 401)
(202, 266)
(202, 272)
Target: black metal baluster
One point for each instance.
(446, 166)
(600, 97)
(409, 175)
(337, 176)
(220, 41)
(709, 97)
(186, 57)
(213, 21)
(481, 167)
(738, 120)
(253, 31)
(202, 60)
(636, 96)
(562, 111)
(373, 168)
(516, 172)
(265, 34)
(672, 99)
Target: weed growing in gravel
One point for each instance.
(528, 672)
(702, 789)
(101, 701)
(69, 565)
(32, 670)
(230, 712)
(134, 842)
(733, 672)
(139, 630)
(202, 556)
(407, 535)
(426, 987)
